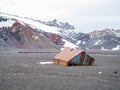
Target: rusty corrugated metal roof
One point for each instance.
(68, 54)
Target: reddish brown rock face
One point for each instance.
(24, 36)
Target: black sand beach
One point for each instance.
(22, 71)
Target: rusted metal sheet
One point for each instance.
(70, 56)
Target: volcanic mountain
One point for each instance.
(27, 33)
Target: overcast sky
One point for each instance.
(85, 15)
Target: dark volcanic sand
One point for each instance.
(22, 71)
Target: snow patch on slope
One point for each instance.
(7, 23)
(116, 48)
(102, 48)
(69, 44)
(97, 43)
(78, 42)
(83, 42)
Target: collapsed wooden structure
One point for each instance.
(72, 57)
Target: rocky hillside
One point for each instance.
(23, 32)
(16, 34)
(56, 33)
(107, 39)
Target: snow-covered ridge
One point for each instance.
(104, 32)
(107, 39)
(34, 24)
(39, 25)
(54, 26)
(6, 22)
(61, 25)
